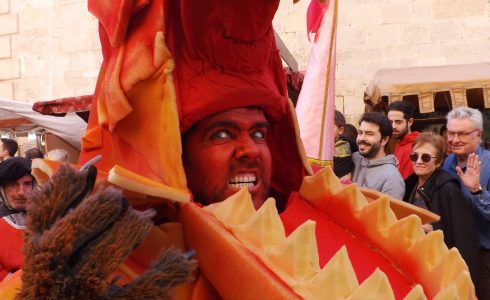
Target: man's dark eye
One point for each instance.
(219, 135)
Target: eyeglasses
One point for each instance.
(425, 157)
(460, 134)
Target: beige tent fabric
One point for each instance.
(486, 94)
(426, 102)
(425, 81)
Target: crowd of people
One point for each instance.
(453, 184)
(447, 173)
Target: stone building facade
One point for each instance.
(49, 48)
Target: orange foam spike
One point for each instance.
(375, 286)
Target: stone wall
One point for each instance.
(50, 49)
(376, 34)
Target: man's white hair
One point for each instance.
(474, 115)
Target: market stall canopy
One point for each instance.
(425, 82)
(20, 116)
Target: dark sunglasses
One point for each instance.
(425, 157)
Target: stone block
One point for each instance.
(344, 56)
(444, 9)
(9, 24)
(395, 13)
(85, 60)
(366, 54)
(348, 86)
(295, 21)
(482, 47)
(383, 35)
(279, 22)
(32, 18)
(414, 33)
(91, 73)
(5, 47)
(407, 62)
(339, 103)
(85, 86)
(301, 6)
(354, 105)
(353, 119)
(75, 43)
(431, 61)
(349, 38)
(467, 59)
(385, 63)
(478, 31)
(446, 31)
(400, 51)
(456, 50)
(420, 11)
(364, 14)
(351, 69)
(6, 90)
(9, 68)
(429, 50)
(285, 6)
(4, 6)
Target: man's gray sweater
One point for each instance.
(378, 174)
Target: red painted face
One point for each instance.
(226, 152)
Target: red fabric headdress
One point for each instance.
(221, 55)
(226, 57)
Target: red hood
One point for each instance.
(408, 138)
(225, 58)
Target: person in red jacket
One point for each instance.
(400, 114)
(16, 184)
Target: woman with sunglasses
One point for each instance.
(434, 189)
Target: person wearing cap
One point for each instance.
(16, 184)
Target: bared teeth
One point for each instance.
(423, 258)
(375, 286)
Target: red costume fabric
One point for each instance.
(11, 257)
(221, 64)
(402, 151)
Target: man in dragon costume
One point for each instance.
(210, 70)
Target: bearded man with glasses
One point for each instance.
(471, 164)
